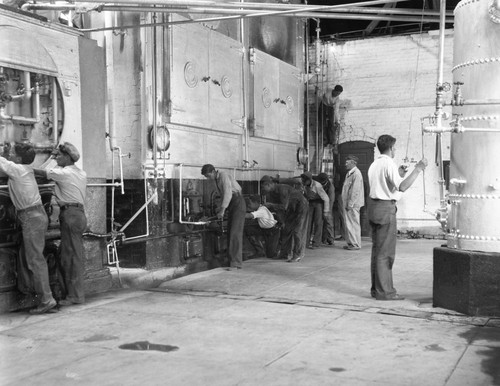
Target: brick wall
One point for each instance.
(389, 85)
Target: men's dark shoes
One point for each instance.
(44, 307)
(68, 302)
(351, 248)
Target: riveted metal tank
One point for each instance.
(475, 155)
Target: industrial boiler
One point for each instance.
(148, 98)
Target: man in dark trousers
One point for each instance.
(328, 236)
(31, 215)
(319, 206)
(70, 191)
(233, 202)
(293, 206)
(386, 183)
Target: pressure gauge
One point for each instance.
(302, 156)
(162, 138)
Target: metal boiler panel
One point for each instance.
(475, 156)
(276, 99)
(206, 80)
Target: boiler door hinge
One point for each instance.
(239, 122)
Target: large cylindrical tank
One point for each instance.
(475, 156)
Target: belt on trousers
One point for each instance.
(66, 206)
(378, 199)
(38, 206)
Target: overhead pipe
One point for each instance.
(234, 4)
(220, 9)
(279, 13)
(337, 16)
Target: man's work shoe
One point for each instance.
(42, 308)
(68, 302)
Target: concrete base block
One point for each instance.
(467, 281)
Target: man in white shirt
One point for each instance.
(353, 199)
(267, 226)
(70, 191)
(386, 183)
(23, 191)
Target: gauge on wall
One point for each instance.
(162, 138)
(302, 156)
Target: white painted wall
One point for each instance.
(389, 85)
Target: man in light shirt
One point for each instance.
(233, 202)
(70, 191)
(386, 183)
(267, 226)
(330, 116)
(31, 215)
(353, 199)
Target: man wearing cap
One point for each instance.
(32, 217)
(319, 206)
(353, 199)
(289, 201)
(70, 191)
(328, 236)
(233, 202)
(386, 183)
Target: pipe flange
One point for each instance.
(480, 118)
(494, 11)
(463, 3)
(477, 238)
(475, 196)
(476, 62)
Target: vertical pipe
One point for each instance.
(243, 88)
(108, 22)
(180, 193)
(320, 73)
(439, 100)
(155, 97)
(305, 138)
(55, 111)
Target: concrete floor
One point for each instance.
(271, 323)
